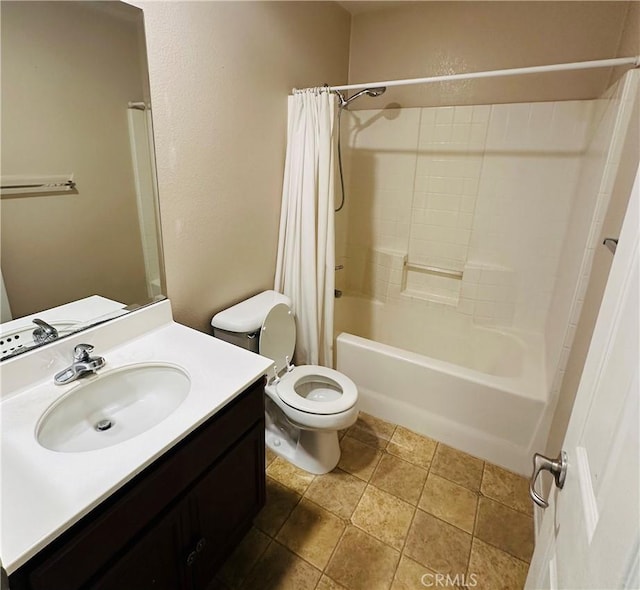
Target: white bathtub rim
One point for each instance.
(530, 386)
(464, 438)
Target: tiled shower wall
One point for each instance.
(450, 148)
(484, 191)
(612, 121)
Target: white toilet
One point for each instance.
(306, 405)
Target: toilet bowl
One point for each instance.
(305, 405)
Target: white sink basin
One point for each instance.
(113, 407)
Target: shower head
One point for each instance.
(373, 92)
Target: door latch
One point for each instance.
(557, 467)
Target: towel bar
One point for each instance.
(453, 274)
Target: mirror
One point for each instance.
(79, 239)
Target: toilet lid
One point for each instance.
(317, 390)
(278, 335)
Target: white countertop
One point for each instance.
(44, 492)
(83, 311)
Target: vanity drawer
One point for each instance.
(92, 544)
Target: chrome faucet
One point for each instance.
(44, 332)
(83, 365)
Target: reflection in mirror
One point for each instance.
(79, 219)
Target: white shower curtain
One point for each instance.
(306, 255)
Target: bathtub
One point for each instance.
(430, 369)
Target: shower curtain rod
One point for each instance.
(580, 65)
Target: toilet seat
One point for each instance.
(334, 392)
(278, 336)
(308, 388)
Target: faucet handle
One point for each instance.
(81, 352)
(44, 332)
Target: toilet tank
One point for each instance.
(241, 323)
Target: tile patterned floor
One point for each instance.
(398, 510)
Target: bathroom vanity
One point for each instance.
(162, 509)
(173, 525)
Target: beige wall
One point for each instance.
(220, 75)
(417, 39)
(630, 39)
(68, 71)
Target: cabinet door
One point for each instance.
(224, 503)
(154, 562)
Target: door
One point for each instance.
(590, 533)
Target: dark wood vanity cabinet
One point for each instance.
(175, 523)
